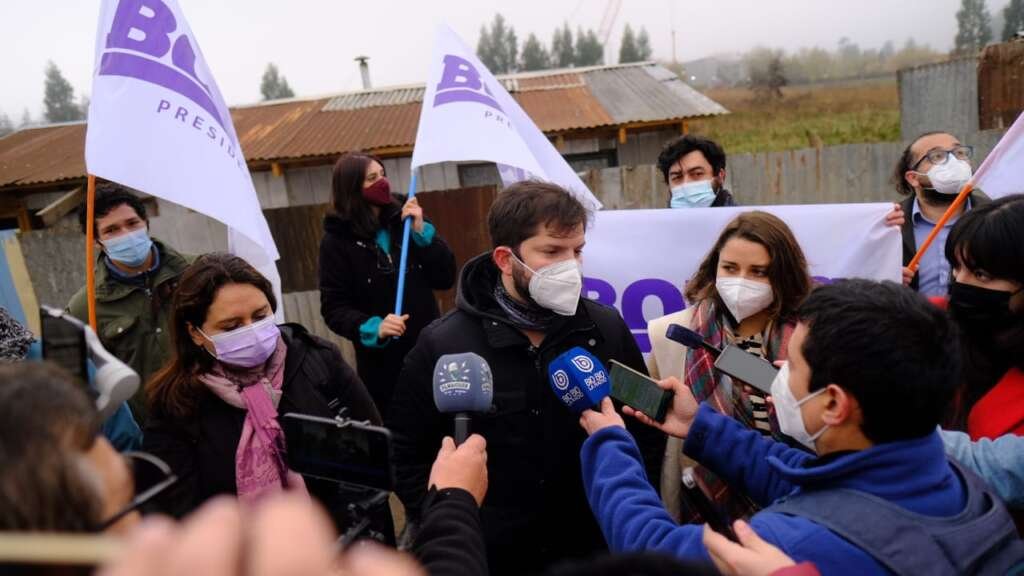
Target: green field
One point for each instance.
(806, 117)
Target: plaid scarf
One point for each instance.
(726, 396)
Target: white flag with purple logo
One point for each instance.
(158, 124)
(468, 115)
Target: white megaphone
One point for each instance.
(115, 381)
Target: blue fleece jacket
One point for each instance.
(914, 474)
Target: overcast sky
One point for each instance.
(314, 42)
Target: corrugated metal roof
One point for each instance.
(44, 154)
(645, 94)
(557, 101)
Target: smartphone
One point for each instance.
(64, 344)
(639, 392)
(346, 452)
(748, 368)
(712, 515)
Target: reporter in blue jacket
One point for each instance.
(872, 366)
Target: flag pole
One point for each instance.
(400, 295)
(90, 240)
(957, 203)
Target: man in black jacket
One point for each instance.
(519, 307)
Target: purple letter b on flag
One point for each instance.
(460, 82)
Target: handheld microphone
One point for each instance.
(462, 384)
(579, 380)
(690, 339)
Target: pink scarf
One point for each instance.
(260, 467)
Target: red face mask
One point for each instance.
(378, 193)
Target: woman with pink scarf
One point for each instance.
(215, 405)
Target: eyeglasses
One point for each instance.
(169, 478)
(939, 156)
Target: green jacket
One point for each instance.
(131, 320)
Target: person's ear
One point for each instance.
(197, 337)
(912, 178)
(503, 259)
(841, 406)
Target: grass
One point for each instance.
(806, 117)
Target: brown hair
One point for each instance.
(522, 207)
(174, 389)
(347, 192)
(787, 271)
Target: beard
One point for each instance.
(521, 282)
(932, 196)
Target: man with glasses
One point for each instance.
(931, 172)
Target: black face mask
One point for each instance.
(976, 308)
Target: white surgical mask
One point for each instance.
(693, 195)
(949, 177)
(557, 286)
(787, 410)
(743, 297)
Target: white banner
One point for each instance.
(640, 260)
(158, 123)
(468, 115)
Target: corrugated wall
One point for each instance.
(1001, 85)
(940, 96)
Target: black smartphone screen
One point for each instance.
(64, 345)
(714, 517)
(355, 454)
(747, 368)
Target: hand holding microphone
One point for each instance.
(463, 384)
(463, 467)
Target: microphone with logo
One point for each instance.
(579, 380)
(462, 385)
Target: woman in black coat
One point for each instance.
(359, 259)
(215, 406)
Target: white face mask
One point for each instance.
(743, 297)
(950, 177)
(557, 286)
(787, 410)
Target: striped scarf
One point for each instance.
(726, 396)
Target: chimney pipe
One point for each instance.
(364, 69)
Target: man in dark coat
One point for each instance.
(519, 307)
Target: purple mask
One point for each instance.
(249, 346)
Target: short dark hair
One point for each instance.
(885, 344)
(906, 161)
(46, 419)
(524, 206)
(683, 145)
(990, 237)
(110, 195)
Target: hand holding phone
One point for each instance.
(639, 392)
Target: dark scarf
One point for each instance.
(524, 316)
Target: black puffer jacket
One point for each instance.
(359, 281)
(201, 448)
(535, 512)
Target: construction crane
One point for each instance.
(604, 32)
